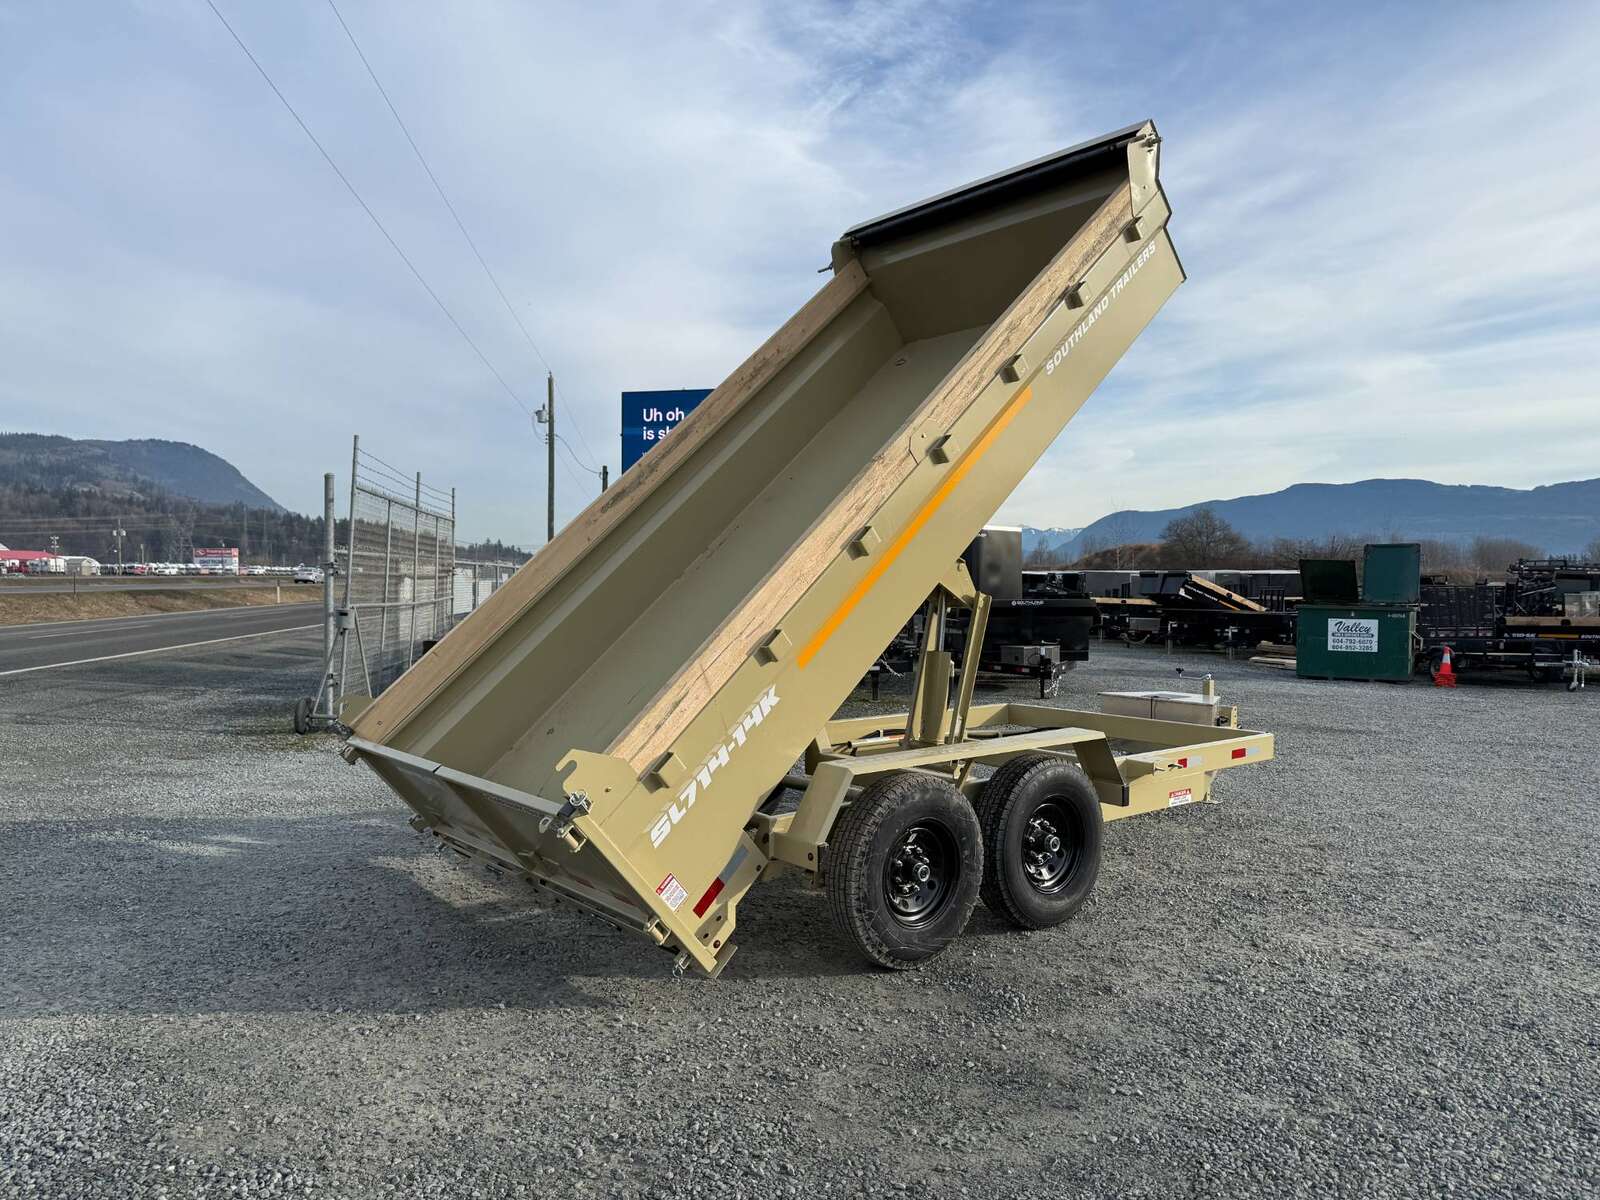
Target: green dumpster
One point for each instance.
(1358, 641)
(1392, 573)
(1342, 632)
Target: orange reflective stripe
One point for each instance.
(924, 514)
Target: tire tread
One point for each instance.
(849, 844)
(993, 807)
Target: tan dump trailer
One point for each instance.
(619, 722)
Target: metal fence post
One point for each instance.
(416, 572)
(328, 615)
(447, 608)
(383, 615)
(349, 555)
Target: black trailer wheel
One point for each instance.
(1042, 833)
(302, 714)
(904, 863)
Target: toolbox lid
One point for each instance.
(1328, 581)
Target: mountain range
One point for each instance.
(1035, 539)
(1560, 518)
(130, 468)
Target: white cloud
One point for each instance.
(1390, 256)
(1393, 279)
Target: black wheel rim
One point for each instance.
(1050, 845)
(921, 874)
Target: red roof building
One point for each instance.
(22, 556)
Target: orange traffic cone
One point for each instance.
(1445, 676)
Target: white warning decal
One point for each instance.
(1181, 796)
(672, 893)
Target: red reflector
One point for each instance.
(712, 893)
(1240, 752)
(1183, 762)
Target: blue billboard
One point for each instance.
(647, 417)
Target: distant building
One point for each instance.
(18, 560)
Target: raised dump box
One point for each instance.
(609, 724)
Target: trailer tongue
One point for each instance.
(612, 722)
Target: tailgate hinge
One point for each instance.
(561, 824)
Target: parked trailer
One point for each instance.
(612, 723)
(1526, 623)
(1188, 609)
(1034, 627)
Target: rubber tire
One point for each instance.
(1008, 799)
(302, 715)
(858, 854)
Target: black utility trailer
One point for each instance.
(1189, 609)
(1039, 623)
(1525, 623)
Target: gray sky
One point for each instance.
(1390, 217)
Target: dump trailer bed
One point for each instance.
(609, 722)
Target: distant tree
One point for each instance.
(1114, 545)
(1287, 552)
(491, 550)
(1441, 557)
(1202, 539)
(1592, 550)
(1492, 555)
(1126, 556)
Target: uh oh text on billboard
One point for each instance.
(647, 418)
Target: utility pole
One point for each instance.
(550, 448)
(605, 476)
(119, 533)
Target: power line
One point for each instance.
(387, 472)
(351, 188)
(576, 482)
(573, 455)
(572, 408)
(455, 216)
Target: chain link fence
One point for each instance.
(474, 582)
(399, 573)
(402, 586)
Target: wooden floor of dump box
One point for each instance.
(623, 629)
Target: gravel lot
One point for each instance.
(227, 967)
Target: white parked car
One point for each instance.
(305, 574)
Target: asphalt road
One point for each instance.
(28, 648)
(39, 586)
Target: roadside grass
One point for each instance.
(97, 603)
